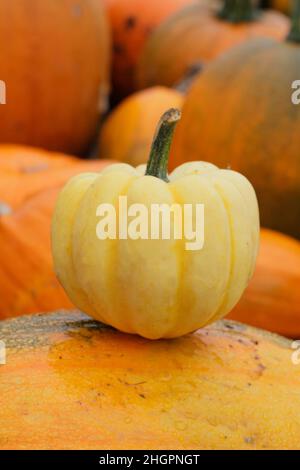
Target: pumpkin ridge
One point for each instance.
(217, 314)
(113, 285)
(71, 254)
(180, 252)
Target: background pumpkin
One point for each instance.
(132, 21)
(241, 107)
(82, 385)
(272, 299)
(198, 33)
(30, 180)
(27, 171)
(54, 61)
(127, 133)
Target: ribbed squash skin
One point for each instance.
(272, 299)
(54, 61)
(30, 180)
(196, 34)
(156, 287)
(71, 383)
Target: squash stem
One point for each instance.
(237, 11)
(294, 34)
(159, 155)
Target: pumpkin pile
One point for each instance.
(149, 224)
(242, 106)
(30, 180)
(202, 33)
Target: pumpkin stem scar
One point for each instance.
(294, 34)
(237, 11)
(159, 155)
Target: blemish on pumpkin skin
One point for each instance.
(260, 369)
(249, 440)
(241, 341)
(124, 382)
(234, 326)
(130, 22)
(229, 327)
(82, 333)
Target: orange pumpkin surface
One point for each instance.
(272, 299)
(239, 113)
(132, 21)
(30, 180)
(26, 171)
(127, 133)
(197, 33)
(72, 383)
(54, 62)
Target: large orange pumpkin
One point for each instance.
(30, 181)
(272, 299)
(132, 22)
(201, 33)
(127, 133)
(54, 62)
(72, 383)
(239, 112)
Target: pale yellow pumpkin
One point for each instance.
(156, 287)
